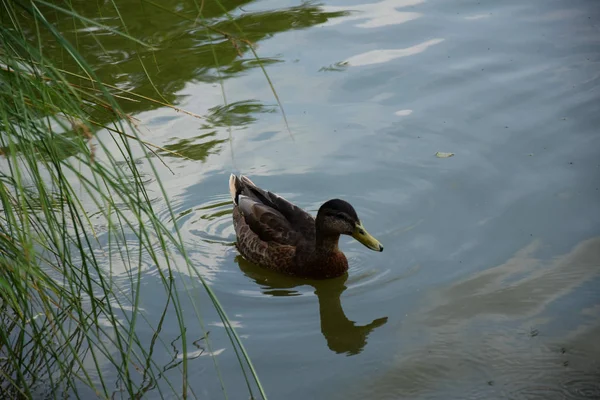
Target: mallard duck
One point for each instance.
(276, 234)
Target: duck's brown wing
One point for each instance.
(267, 223)
(271, 216)
(270, 254)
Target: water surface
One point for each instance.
(489, 285)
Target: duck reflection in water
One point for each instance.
(343, 336)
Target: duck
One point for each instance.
(278, 235)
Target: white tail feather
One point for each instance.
(232, 187)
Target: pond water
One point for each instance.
(489, 284)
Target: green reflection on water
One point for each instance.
(186, 44)
(236, 114)
(197, 148)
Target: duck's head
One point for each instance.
(338, 217)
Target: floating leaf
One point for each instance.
(440, 154)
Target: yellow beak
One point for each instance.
(361, 234)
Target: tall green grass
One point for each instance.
(73, 204)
